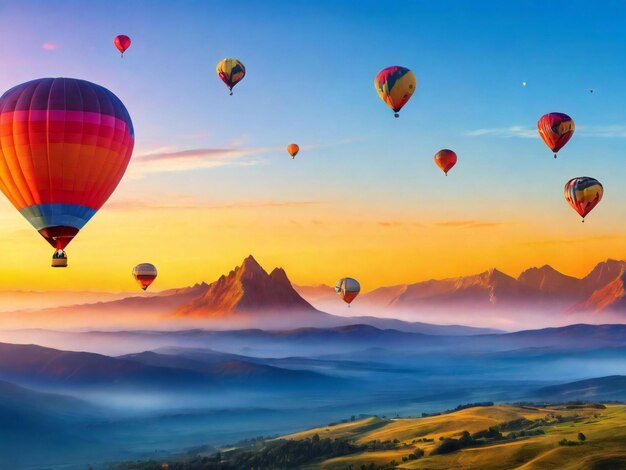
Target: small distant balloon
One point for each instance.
(395, 86)
(524, 84)
(591, 90)
(445, 159)
(122, 42)
(231, 72)
(583, 194)
(145, 274)
(556, 129)
(348, 289)
(293, 150)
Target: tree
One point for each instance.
(582, 437)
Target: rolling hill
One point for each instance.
(500, 437)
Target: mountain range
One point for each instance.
(544, 288)
(250, 297)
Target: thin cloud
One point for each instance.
(49, 46)
(194, 159)
(183, 202)
(616, 130)
(609, 131)
(513, 131)
(566, 241)
(467, 224)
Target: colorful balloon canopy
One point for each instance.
(348, 289)
(293, 150)
(64, 147)
(395, 86)
(145, 274)
(583, 194)
(556, 129)
(122, 43)
(445, 159)
(231, 71)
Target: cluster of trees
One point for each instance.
(288, 453)
(566, 442)
(416, 454)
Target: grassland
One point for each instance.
(603, 449)
(481, 438)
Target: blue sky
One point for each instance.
(310, 70)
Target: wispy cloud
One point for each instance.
(187, 202)
(168, 161)
(49, 46)
(613, 130)
(512, 131)
(569, 241)
(467, 224)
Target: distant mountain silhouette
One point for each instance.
(37, 366)
(597, 389)
(544, 287)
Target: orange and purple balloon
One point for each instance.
(556, 129)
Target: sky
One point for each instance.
(210, 180)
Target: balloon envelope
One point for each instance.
(145, 274)
(556, 129)
(583, 194)
(445, 159)
(122, 43)
(293, 150)
(64, 147)
(395, 86)
(231, 71)
(348, 289)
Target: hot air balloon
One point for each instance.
(231, 71)
(293, 150)
(145, 274)
(64, 147)
(348, 289)
(556, 129)
(583, 194)
(445, 159)
(122, 43)
(395, 86)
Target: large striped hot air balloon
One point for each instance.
(583, 194)
(348, 289)
(556, 129)
(64, 147)
(145, 274)
(395, 86)
(231, 72)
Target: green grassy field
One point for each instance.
(604, 447)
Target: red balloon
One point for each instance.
(445, 159)
(122, 43)
(556, 129)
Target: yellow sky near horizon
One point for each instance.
(313, 240)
